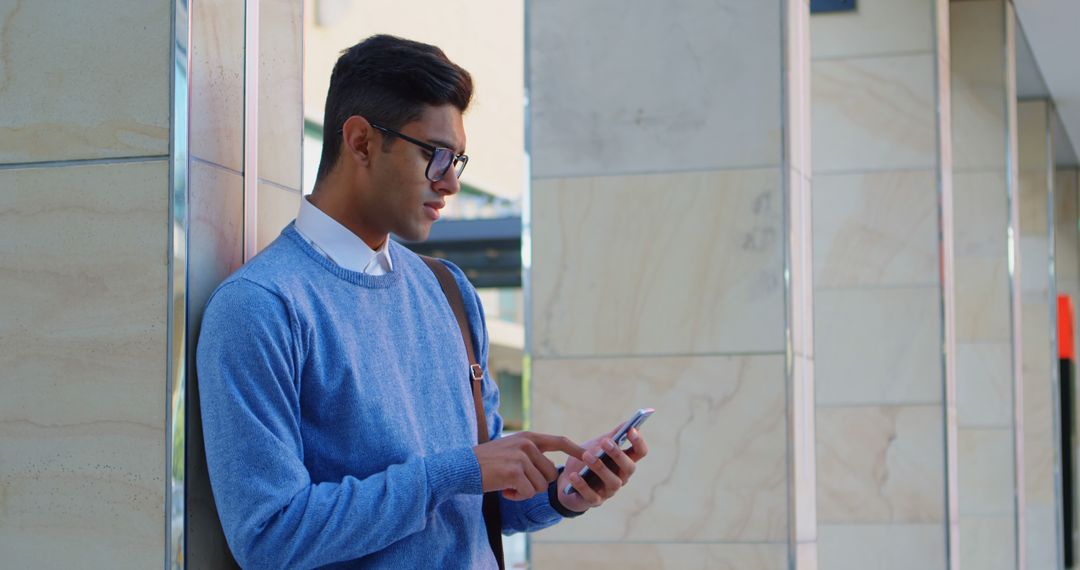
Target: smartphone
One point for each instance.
(619, 438)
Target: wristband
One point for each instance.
(553, 498)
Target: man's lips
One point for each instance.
(432, 209)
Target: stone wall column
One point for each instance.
(669, 267)
(1041, 458)
(1067, 272)
(883, 291)
(86, 125)
(246, 133)
(987, 338)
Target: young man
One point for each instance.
(339, 424)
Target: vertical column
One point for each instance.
(1067, 272)
(987, 349)
(883, 287)
(1067, 280)
(280, 115)
(1040, 369)
(245, 147)
(216, 239)
(85, 127)
(669, 259)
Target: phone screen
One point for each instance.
(619, 438)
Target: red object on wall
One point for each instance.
(1065, 328)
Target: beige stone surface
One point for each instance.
(983, 299)
(717, 468)
(984, 383)
(882, 547)
(874, 114)
(987, 471)
(686, 263)
(857, 363)
(216, 246)
(988, 542)
(88, 82)
(217, 83)
(877, 27)
(82, 343)
(673, 556)
(979, 89)
(281, 70)
(980, 214)
(880, 464)
(873, 229)
(1033, 124)
(606, 98)
(277, 207)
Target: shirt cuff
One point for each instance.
(453, 472)
(553, 499)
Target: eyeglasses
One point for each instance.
(441, 158)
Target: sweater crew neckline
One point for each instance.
(355, 277)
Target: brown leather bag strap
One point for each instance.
(450, 288)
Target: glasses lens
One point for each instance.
(459, 165)
(439, 164)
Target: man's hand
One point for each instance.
(611, 479)
(516, 465)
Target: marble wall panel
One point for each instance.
(280, 109)
(880, 464)
(717, 469)
(660, 264)
(984, 383)
(673, 556)
(859, 364)
(882, 547)
(216, 249)
(81, 420)
(1033, 123)
(980, 214)
(877, 228)
(85, 83)
(1066, 220)
(987, 473)
(979, 89)
(1035, 265)
(1040, 535)
(217, 83)
(982, 299)
(595, 114)
(988, 542)
(878, 27)
(277, 207)
(874, 114)
(216, 228)
(1033, 200)
(1038, 405)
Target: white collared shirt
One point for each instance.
(339, 244)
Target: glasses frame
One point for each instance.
(455, 159)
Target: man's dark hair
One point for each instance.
(388, 80)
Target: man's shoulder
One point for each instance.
(274, 272)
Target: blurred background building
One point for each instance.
(834, 243)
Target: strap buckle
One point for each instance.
(477, 372)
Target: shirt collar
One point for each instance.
(339, 244)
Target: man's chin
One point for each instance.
(416, 233)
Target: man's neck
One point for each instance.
(334, 201)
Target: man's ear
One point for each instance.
(357, 138)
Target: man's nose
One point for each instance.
(449, 184)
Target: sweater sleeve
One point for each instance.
(532, 514)
(273, 515)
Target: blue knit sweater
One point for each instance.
(338, 418)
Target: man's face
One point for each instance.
(405, 201)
